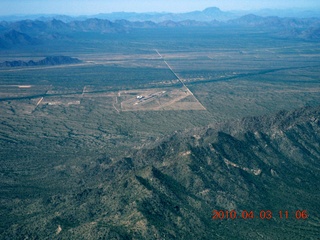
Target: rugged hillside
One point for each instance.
(14, 38)
(311, 33)
(168, 189)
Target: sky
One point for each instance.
(82, 7)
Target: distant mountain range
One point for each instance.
(208, 14)
(48, 61)
(30, 32)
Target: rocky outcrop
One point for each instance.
(48, 61)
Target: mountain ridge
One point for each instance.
(170, 188)
(29, 32)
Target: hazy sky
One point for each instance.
(78, 7)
